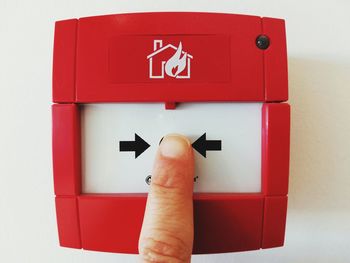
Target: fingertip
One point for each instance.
(175, 146)
(174, 165)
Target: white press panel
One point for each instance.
(234, 169)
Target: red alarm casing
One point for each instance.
(113, 59)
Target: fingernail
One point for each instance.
(174, 146)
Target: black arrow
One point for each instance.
(202, 145)
(138, 146)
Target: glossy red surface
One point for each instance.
(275, 148)
(275, 60)
(63, 73)
(104, 59)
(112, 63)
(275, 213)
(68, 222)
(66, 149)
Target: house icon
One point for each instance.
(169, 60)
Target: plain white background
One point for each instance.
(318, 225)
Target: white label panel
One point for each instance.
(234, 169)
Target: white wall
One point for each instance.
(318, 228)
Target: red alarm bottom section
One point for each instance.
(275, 213)
(223, 223)
(68, 221)
(111, 223)
(227, 223)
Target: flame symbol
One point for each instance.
(175, 65)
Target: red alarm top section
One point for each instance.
(170, 57)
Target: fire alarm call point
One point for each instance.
(122, 82)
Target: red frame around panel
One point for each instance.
(275, 148)
(223, 222)
(66, 149)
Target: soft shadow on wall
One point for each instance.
(319, 207)
(319, 94)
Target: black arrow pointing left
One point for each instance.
(138, 146)
(202, 145)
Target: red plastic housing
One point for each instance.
(118, 58)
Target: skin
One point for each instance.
(167, 230)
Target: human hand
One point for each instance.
(167, 230)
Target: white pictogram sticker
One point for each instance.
(177, 66)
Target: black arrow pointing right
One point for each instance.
(138, 146)
(202, 145)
